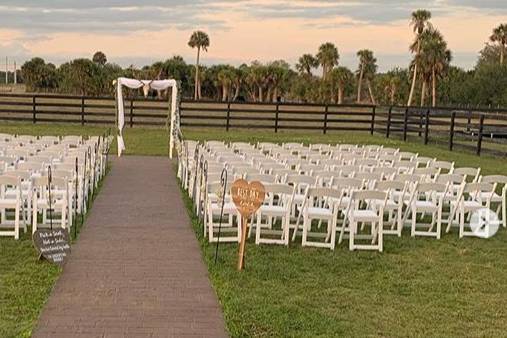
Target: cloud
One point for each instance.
(108, 16)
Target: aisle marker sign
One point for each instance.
(248, 197)
(53, 245)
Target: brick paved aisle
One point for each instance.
(136, 270)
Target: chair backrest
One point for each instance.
(499, 179)
(472, 173)
(443, 166)
(279, 189)
(9, 180)
(390, 185)
(319, 192)
(431, 187)
(362, 195)
(263, 178)
(478, 187)
(347, 182)
(423, 161)
(407, 155)
(428, 173)
(450, 178)
(301, 179)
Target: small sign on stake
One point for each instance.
(52, 244)
(248, 197)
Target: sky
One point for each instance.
(144, 31)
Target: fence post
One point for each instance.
(82, 110)
(228, 116)
(325, 118)
(372, 129)
(388, 128)
(479, 139)
(469, 120)
(451, 131)
(34, 108)
(131, 112)
(276, 117)
(405, 125)
(427, 127)
(420, 123)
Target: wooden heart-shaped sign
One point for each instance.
(248, 197)
(53, 245)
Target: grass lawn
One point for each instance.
(417, 287)
(25, 282)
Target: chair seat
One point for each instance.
(229, 208)
(425, 205)
(273, 210)
(299, 198)
(8, 203)
(495, 197)
(313, 212)
(43, 203)
(448, 197)
(363, 216)
(390, 204)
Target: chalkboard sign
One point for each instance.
(53, 245)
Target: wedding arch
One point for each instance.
(147, 85)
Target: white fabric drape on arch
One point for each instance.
(146, 84)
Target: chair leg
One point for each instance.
(504, 213)
(258, 229)
(352, 231)
(34, 217)
(439, 222)
(381, 236)
(16, 222)
(305, 230)
(414, 220)
(461, 222)
(333, 234)
(286, 232)
(400, 222)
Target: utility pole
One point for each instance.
(15, 74)
(6, 70)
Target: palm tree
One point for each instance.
(419, 22)
(500, 35)
(327, 57)
(390, 84)
(306, 63)
(434, 58)
(99, 58)
(257, 77)
(226, 77)
(200, 40)
(367, 70)
(342, 76)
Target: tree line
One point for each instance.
(430, 79)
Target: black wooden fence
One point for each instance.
(46, 108)
(477, 130)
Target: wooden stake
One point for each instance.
(242, 244)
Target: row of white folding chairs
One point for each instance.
(356, 206)
(31, 171)
(447, 166)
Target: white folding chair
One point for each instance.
(499, 198)
(10, 203)
(472, 197)
(427, 197)
(367, 206)
(321, 204)
(278, 205)
(396, 195)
